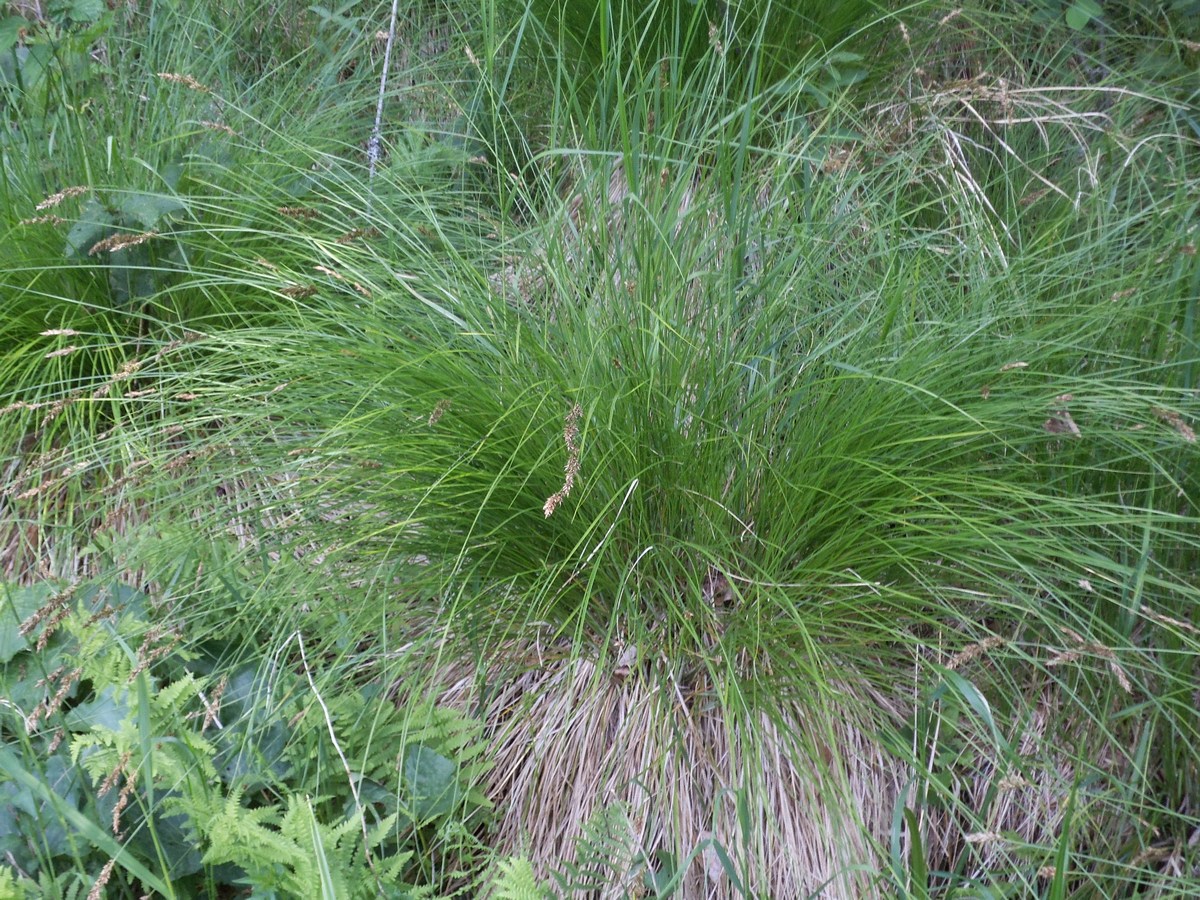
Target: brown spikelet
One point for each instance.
(111, 779)
(105, 612)
(219, 126)
(1060, 421)
(1176, 421)
(1085, 647)
(54, 199)
(59, 736)
(357, 233)
(1152, 855)
(53, 332)
(1167, 620)
(97, 890)
(43, 220)
(115, 242)
(61, 351)
(298, 212)
(714, 39)
(51, 705)
(571, 438)
(213, 707)
(438, 411)
(983, 837)
(186, 80)
(128, 369)
(298, 291)
(1033, 197)
(51, 626)
(20, 404)
(47, 610)
(973, 651)
(148, 654)
(123, 800)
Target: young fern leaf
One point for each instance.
(604, 852)
(517, 881)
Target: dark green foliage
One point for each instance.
(229, 779)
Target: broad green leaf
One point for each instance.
(17, 604)
(1081, 12)
(108, 711)
(25, 814)
(93, 225)
(431, 781)
(252, 743)
(10, 31)
(173, 833)
(917, 868)
(148, 210)
(22, 680)
(85, 10)
(12, 767)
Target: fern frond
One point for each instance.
(517, 881)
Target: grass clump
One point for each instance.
(794, 479)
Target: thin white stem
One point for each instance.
(376, 133)
(362, 819)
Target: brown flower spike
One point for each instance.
(571, 438)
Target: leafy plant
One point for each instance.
(144, 775)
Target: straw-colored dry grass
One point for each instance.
(575, 740)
